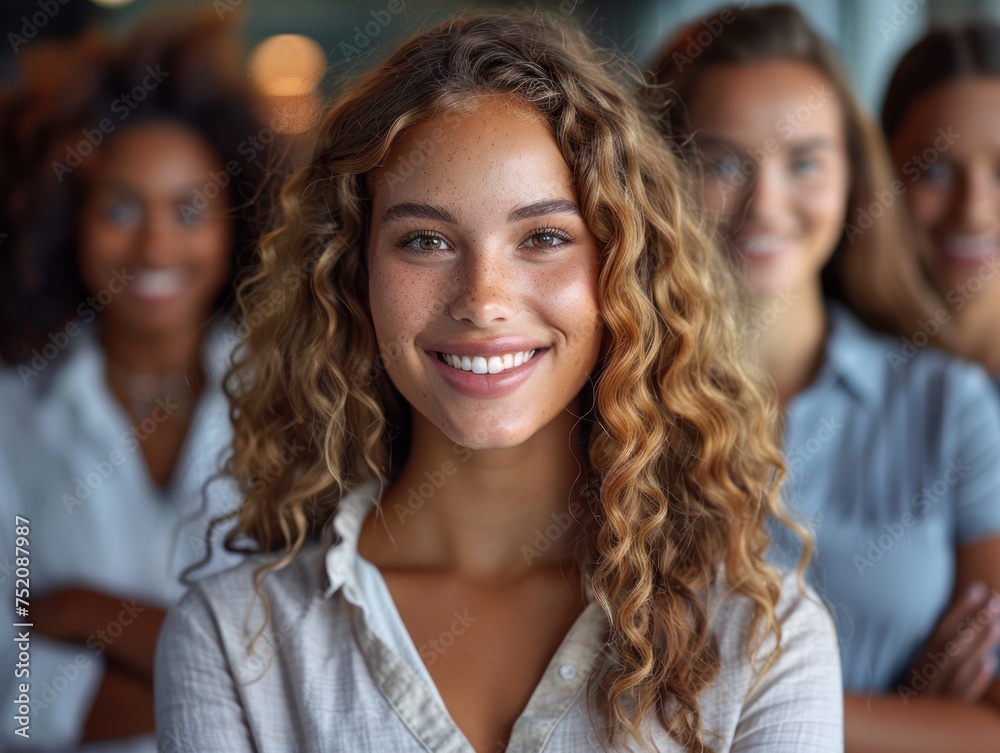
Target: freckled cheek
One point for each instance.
(403, 302)
(568, 302)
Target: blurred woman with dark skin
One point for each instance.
(940, 118)
(896, 466)
(128, 208)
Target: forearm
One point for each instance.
(122, 632)
(884, 724)
(123, 707)
(132, 651)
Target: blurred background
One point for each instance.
(871, 34)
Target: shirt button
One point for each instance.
(567, 671)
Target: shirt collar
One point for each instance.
(854, 356)
(342, 538)
(341, 557)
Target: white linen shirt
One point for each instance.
(336, 670)
(96, 521)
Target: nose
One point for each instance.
(976, 203)
(766, 197)
(484, 288)
(157, 239)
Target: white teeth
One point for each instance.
(971, 246)
(762, 244)
(158, 283)
(488, 364)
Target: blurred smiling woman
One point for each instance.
(896, 469)
(114, 316)
(940, 116)
(548, 507)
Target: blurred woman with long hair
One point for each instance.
(893, 460)
(940, 117)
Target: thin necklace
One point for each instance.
(169, 393)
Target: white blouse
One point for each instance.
(75, 470)
(336, 669)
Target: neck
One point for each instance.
(174, 356)
(792, 330)
(481, 514)
(158, 353)
(976, 327)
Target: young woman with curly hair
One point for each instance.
(895, 462)
(529, 510)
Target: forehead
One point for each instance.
(968, 108)
(783, 99)
(157, 152)
(500, 153)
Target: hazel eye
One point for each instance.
(424, 243)
(427, 243)
(548, 239)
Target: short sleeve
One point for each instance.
(975, 467)
(798, 705)
(198, 709)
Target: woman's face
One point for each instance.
(947, 150)
(483, 275)
(776, 171)
(154, 250)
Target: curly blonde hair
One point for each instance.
(680, 443)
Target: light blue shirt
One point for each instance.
(896, 466)
(75, 470)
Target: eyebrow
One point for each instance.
(545, 206)
(703, 142)
(816, 142)
(421, 210)
(819, 142)
(179, 195)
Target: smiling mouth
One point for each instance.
(969, 248)
(488, 364)
(159, 283)
(762, 245)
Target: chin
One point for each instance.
(489, 438)
(486, 432)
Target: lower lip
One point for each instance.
(487, 385)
